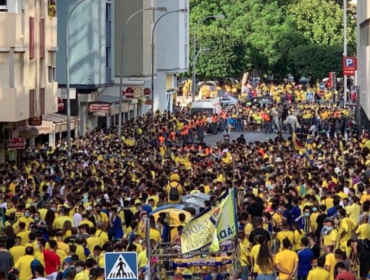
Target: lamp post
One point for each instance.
(345, 46)
(163, 9)
(195, 67)
(193, 82)
(68, 78)
(152, 53)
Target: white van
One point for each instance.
(209, 106)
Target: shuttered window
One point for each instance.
(32, 103)
(32, 37)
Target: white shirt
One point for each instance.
(77, 218)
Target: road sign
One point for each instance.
(310, 97)
(121, 266)
(349, 65)
(130, 92)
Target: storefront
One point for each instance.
(107, 110)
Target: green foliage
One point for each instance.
(316, 61)
(267, 35)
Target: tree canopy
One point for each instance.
(270, 36)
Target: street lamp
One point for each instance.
(205, 50)
(217, 17)
(161, 9)
(69, 148)
(153, 31)
(345, 46)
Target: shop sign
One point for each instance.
(17, 144)
(130, 92)
(99, 110)
(36, 121)
(46, 128)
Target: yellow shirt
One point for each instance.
(92, 242)
(248, 229)
(353, 212)
(286, 259)
(59, 222)
(297, 239)
(345, 232)
(155, 235)
(244, 254)
(102, 235)
(318, 273)
(332, 236)
(80, 252)
(363, 231)
(24, 266)
(25, 220)
(86, 222)
(17, 252)
(142, 259)
(83, 275)
(254, 254)
(331, 262)
(285, 234)
(24, 236)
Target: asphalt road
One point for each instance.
(250, 136)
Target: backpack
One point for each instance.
(35, 263)
(174, 193)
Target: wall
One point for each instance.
(87, 43)
(137, 40)
(173, 37)
(363, 53)
(27, 61)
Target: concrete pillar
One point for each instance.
(109, 122)
(52, 139)
(2, 154)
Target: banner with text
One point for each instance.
(198, 233)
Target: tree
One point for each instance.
(316, 61)
(319, 21)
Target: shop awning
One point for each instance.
(60, 121)
(108, 105)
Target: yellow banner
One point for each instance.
(198, 233)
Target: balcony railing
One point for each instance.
(3, 8)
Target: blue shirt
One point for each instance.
(288, 215)
(296, 212)
(117, 231)
(209, 277)
(332, 211)
(304, 262)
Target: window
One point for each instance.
(32, 37)
(51, 74)
(42, 101)
(4, 70)
(365, 33)
(42, 38)
(32, 103)
(18, 69)
(3, 6)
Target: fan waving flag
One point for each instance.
(213, 226)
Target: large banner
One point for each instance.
(199, 233)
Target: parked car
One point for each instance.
(262, 101)
(228, 100)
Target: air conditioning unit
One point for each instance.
(8, 134)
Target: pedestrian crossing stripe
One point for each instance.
(121, 270)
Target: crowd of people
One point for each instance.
(299, 217)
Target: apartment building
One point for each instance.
(28, 87)
(363, 58)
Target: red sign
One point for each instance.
(17, 144)
(60, 104)
(36, 121)
(321, 93)
(99, 108)
(349, 65)
(147, 92)
(130, 92)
